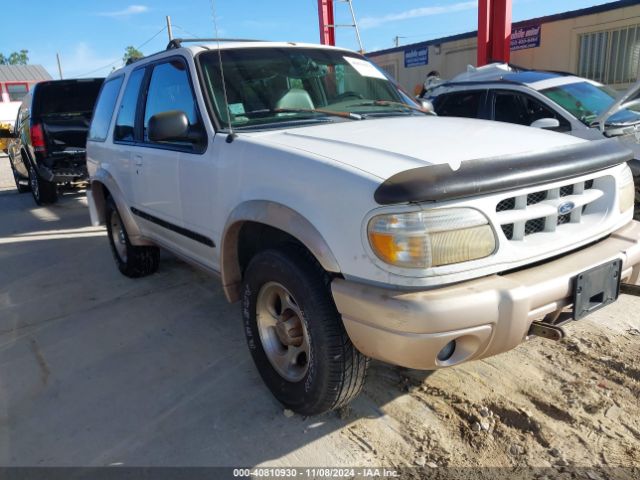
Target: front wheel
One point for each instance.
(295, 333)
(132, 261)
(44, 192)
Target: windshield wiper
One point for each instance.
(389, 103)
(331, 113)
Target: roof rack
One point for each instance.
(177, 42)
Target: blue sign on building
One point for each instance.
(527, 37)
(416, 57)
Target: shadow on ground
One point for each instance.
(98, 369)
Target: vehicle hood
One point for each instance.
(630, 96)
(386, 146)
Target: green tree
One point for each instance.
(131, 53)
(15, 58)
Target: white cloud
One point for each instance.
(80, 60)
(371, 22)
(125, 12)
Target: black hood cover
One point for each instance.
(491, 175)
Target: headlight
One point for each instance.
(626, 191)
(431, 238)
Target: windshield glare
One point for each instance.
(272, 86)
(587, 102)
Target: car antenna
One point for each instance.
(232, 135)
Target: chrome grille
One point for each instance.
(538, 212)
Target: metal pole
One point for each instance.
(355, 24)
(327, 27)
(59, 66)
(169, 31)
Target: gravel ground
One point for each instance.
(97, 369)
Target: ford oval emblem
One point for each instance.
(566, 207)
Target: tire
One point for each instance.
(16, 178)
(132, 261)
(44, 193)
(636, 206)
(328, 371)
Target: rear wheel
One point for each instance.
(21, 187)
(133, 261)
(44, 192)
(295, 333)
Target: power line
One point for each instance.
(120, 60)
(187, 31)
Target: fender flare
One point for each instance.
(274, 215)
(103, 180)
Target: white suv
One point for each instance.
(351, 224)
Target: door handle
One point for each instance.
(138, 160)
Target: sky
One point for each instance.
(91, 36)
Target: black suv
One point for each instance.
(48, 145)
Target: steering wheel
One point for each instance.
(348, 94)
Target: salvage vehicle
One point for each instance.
(350, 224)
(556, 101)
(48, 142)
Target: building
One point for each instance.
(15, 83)
(601, 43)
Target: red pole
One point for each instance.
(501, 31)
(484, 25)
(327, 29)
(494, 31)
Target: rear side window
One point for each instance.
(104, 110)
(125, 122)
(170, 89)
(460, 104)
(77, 96)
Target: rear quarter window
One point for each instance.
(104, 110)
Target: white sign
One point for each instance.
(364, 68)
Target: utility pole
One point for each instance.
(169, 31)
(59, 66)
(396, 40)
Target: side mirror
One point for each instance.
(546, 123)
(6, 133)
(427, 106)
(172, 125)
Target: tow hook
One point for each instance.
(629, 289)
(544, 330)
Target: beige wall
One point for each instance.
(558, 48)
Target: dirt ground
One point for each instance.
(155, 372)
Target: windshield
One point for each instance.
(587, 102)
(272, 87)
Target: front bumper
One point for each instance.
(485, 316)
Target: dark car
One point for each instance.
(50, 135)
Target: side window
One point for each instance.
(459, 104)
(170, 89)
(16, 126)
(513, 107)
(508, 107)
(104, 109)
(537, 110)
(126, 119)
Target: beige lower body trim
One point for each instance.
(485, 316)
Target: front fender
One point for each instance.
(274, 215)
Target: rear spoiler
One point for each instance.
(436, 183)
